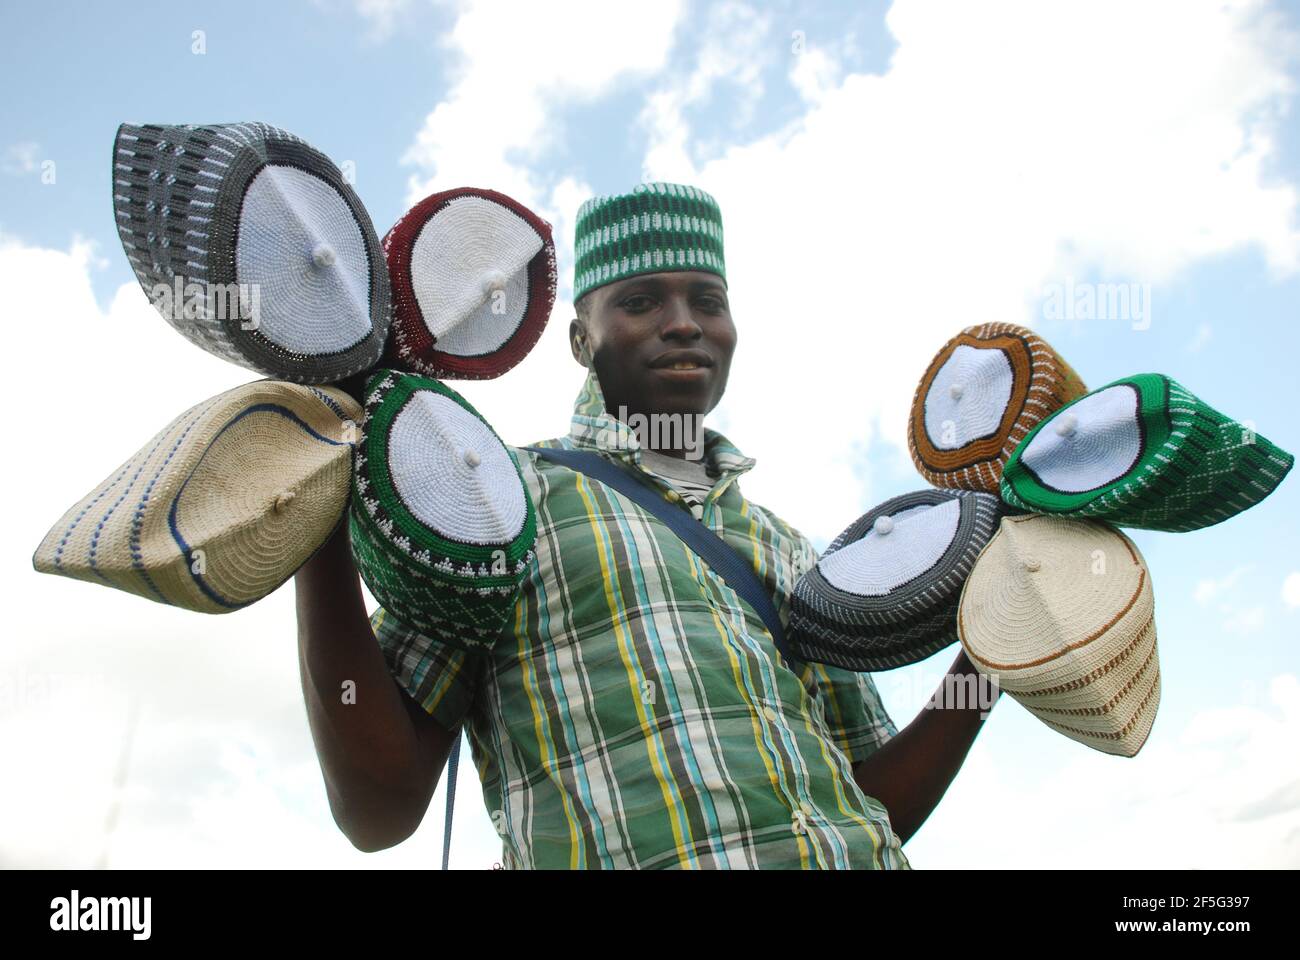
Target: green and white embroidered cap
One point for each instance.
(1143, 452)
(442, 525)
(1062, 614)
(656, 228)
(885, 592)
(222, 506)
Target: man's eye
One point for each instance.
(637, 304)
(712, 304)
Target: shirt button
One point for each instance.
(797, 824)
(770, 714)
(673, 496)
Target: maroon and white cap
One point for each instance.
(473, 277)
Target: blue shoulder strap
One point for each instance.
(735, 570)
(452, 760)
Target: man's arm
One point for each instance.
(910, 773)
(381, 754)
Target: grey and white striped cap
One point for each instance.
(885, 592)
(253, 245)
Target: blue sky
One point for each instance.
(888, 173)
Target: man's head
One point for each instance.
(653, 319)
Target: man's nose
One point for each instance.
(679, 321)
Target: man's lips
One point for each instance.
(683, 361)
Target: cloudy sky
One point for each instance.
(888, 173)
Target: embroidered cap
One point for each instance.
(655, 228)
(253, 245)
(473, 276)
(442, 525)
(987, 388)
(1143, 452)
(220, 507)
(885, 592)
(1062, 613)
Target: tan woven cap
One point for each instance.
(1062, 613)
(987, 388)
(222, 506)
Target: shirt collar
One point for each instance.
(594, 428)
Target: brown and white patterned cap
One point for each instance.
(982, 393)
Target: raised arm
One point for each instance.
(380, 753)
(911, 773)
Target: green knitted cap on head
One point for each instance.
(657, 228)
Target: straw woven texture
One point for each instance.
(252, 245)
(220, 507)
(1062, 613)
(982, 393)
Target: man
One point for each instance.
(636, 713)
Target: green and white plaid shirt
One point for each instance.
(637, 713)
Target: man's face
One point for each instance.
(660, 342)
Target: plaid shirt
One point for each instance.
(636, 713)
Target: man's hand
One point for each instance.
(380, 753)
(911, 772)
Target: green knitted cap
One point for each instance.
(442, 525)
(1143, 452)
(657, 228)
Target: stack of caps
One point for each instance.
(1143, 452)
(473, 276)
(222, 506)
(885, 592)
(982, 393)
(1061, 613)
(251, 244)
(442, 525)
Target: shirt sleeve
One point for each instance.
(439, 677)
(855, 716)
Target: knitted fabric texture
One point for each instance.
(220, 507)
(982, 393)
(657, 228)
(251, 244)
(885, 592)
(1143, 452)
(1062, 613)
(442, 526)
(473, 276)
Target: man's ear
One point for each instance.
(578, 342)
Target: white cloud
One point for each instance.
(949, 190)
(1220, 776)
(1208, 590)
(21, 158)
(1291, 589)
(510, 87)
(1245, 620)
(815, 72)
(1223, 595)
(1202, 337)
(381, 15)
(734, 46)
